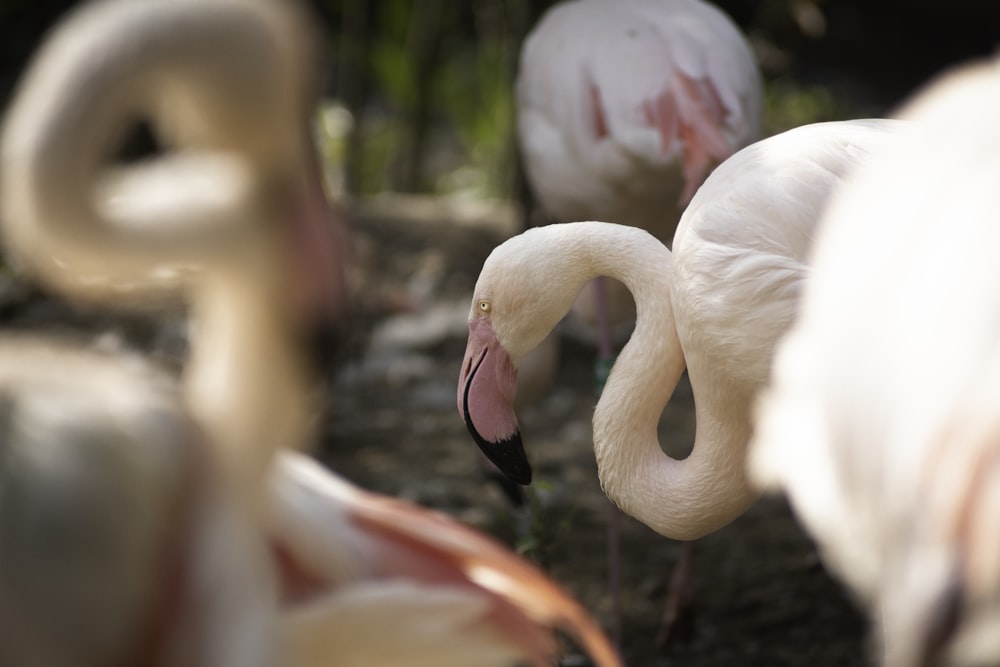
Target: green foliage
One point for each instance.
(383, 137)
(478, 94)
(469, 93)
(536, 539)
(788, 104)
(391, 63)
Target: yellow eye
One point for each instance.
(485, 306)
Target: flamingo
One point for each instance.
(880, 423)
(623, 108)
(121, 546)
(715, 305)
(117, 547)
(284, 561)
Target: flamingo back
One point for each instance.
(623, 107)
(742, 247)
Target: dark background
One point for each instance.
(428, 80)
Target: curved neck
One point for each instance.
(681, 499)
(209, 78)
(224, 84)
(245, 379)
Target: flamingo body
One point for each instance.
(118, 545)
(880, 423)
(716, 305)
(624, 106)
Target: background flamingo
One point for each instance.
(881, 422)
(716, 306)
(114, 236)
(623, 108)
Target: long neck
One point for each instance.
(682, 499)
(245, 379)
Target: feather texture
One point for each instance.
(881, 420)
(716, 305)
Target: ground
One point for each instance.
(763, 597)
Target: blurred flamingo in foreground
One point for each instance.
(716, 305)
(118, 544)
(881, 423)
(222, 555)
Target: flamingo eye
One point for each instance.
(485, 307)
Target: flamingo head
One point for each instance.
(486, 398)
(228, 104)
(521, 295)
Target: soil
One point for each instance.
(762, 596)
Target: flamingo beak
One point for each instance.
(486, 390)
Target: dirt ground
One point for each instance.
(762, 596)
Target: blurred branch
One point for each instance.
(423, 45)
(354, 58)
(520, 16)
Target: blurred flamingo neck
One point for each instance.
(682, 499)
(246, 379)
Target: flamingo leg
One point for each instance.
(602, 366)
(678, 623)
(614, 573)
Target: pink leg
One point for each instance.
(605, 358)
(614, 574)
(605, 346)
(678, 614)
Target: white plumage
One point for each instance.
(623, 109)
(881, 424)
(120, 546)
(716, 305)
(624, 106)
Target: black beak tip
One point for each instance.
(508, 455)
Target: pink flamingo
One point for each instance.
(716, 305)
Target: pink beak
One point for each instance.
(486, 390)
